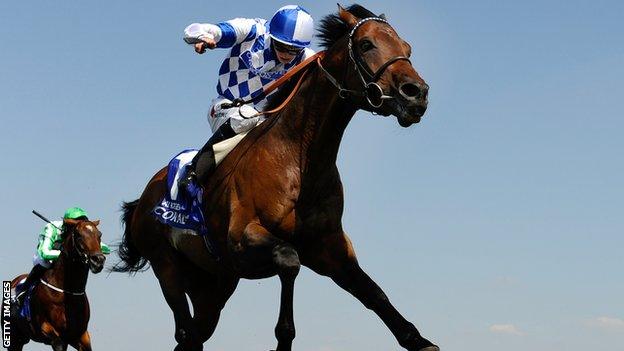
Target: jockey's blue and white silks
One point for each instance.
(251, 64)
(292, 25)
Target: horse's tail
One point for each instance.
(131, 259)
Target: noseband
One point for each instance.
(373, 93)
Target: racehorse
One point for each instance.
(59, 307)
(276, 201)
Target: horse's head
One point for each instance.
(82, 242)
(379, 75)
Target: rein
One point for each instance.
(276, 84)
(82, 257)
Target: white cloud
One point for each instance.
(604, 322)
(505, 329)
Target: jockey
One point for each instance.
(48, 249)
(260, 52)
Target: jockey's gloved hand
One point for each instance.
(105, 249)
(201, 44)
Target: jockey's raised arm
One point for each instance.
(224, 34)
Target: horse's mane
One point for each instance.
(332, 27)
(330, 30)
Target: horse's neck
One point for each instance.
(314, 122)
(69, 275)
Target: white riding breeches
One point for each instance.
(37, 260)
(240, 118)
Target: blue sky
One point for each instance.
(494, 224)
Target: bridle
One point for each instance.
(81, 256)
(372, 92)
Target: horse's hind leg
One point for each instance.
(18, 340)
(267, 255)
(16, 345)
(208, 295)
(167, 269)
(334, 257)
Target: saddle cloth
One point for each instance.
(181, 208)
(24, 311)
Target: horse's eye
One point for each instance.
(366, 45)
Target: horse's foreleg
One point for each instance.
(287, 262)
(266, 254)
(58, 345)
(84, 344)
(52, 334)
(335, 258)
(167, 269)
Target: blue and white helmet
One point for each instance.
(292, 25)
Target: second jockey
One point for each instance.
(48, 249)
(260, 52)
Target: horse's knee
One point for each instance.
(287, 260)
(285, 332)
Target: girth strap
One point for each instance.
(59, 289)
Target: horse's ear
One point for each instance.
(383, 16)
(70, 222)
(346, 16)
(96, 222)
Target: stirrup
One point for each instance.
(189, 178)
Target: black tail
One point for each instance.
(131, 259)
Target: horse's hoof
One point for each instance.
(430, 348)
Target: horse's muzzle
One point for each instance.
(96, 262)
(410, 103)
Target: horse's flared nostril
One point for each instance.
(414, 90)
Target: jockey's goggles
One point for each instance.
(287, 49)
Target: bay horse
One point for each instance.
(276, 201)
(59, 307)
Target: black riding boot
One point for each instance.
(35, 274)
(202, 165)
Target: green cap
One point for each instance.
(74, 213)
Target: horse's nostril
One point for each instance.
(414, 90)
(410, 90)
